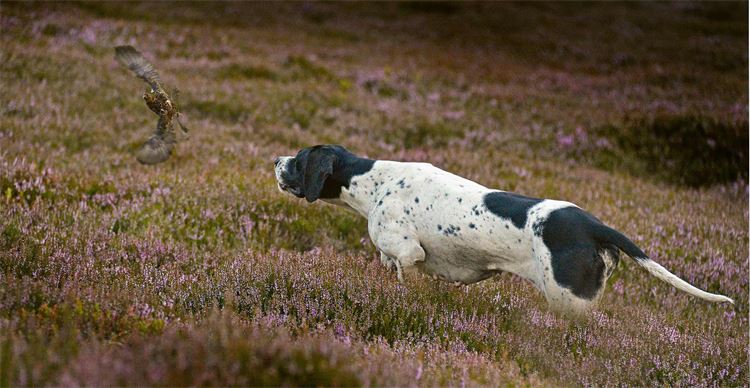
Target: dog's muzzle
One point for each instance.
(283, 181)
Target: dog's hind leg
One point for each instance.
(574, 275)
(392, 264)
(596, 268)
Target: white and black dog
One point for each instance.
(421, 217)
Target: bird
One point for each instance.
(159, 146)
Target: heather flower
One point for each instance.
(199, 272)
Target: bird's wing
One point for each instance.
(155, 150)
(131, 58)
(176, 100)
(159, 146)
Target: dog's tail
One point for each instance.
(606, 234)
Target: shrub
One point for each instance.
(238, 72)
(431, 134)
(690, 150)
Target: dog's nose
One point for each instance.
(276, 161)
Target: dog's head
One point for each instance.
(318, 172)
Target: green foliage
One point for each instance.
(429, 134)
(302, 111)
(51, 29)
(77, 142)
(44, 353)
(112, 273)
(240, 72)
(302, 69)
(11, 236)
(224, 110)
(680, 149)
(439, 7)
(120, 225)
(36, 69)
(92, 188)
(384, 89)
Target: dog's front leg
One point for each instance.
(392, 264)
(385, 260)
(398, 250)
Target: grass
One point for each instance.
(198, 271)
(688, 150)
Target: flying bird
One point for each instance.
(159, 146)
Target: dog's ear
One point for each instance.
(318, 167)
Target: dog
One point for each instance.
(422, 218)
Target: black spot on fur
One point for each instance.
(576, 261)
(472, 226)
(537, 228)
(440, 227)
(416, 199)
(451, 230)
(510, 206)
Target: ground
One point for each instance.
(199, 271)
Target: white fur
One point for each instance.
(426, 219)
(493, 245)
(662, 273)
